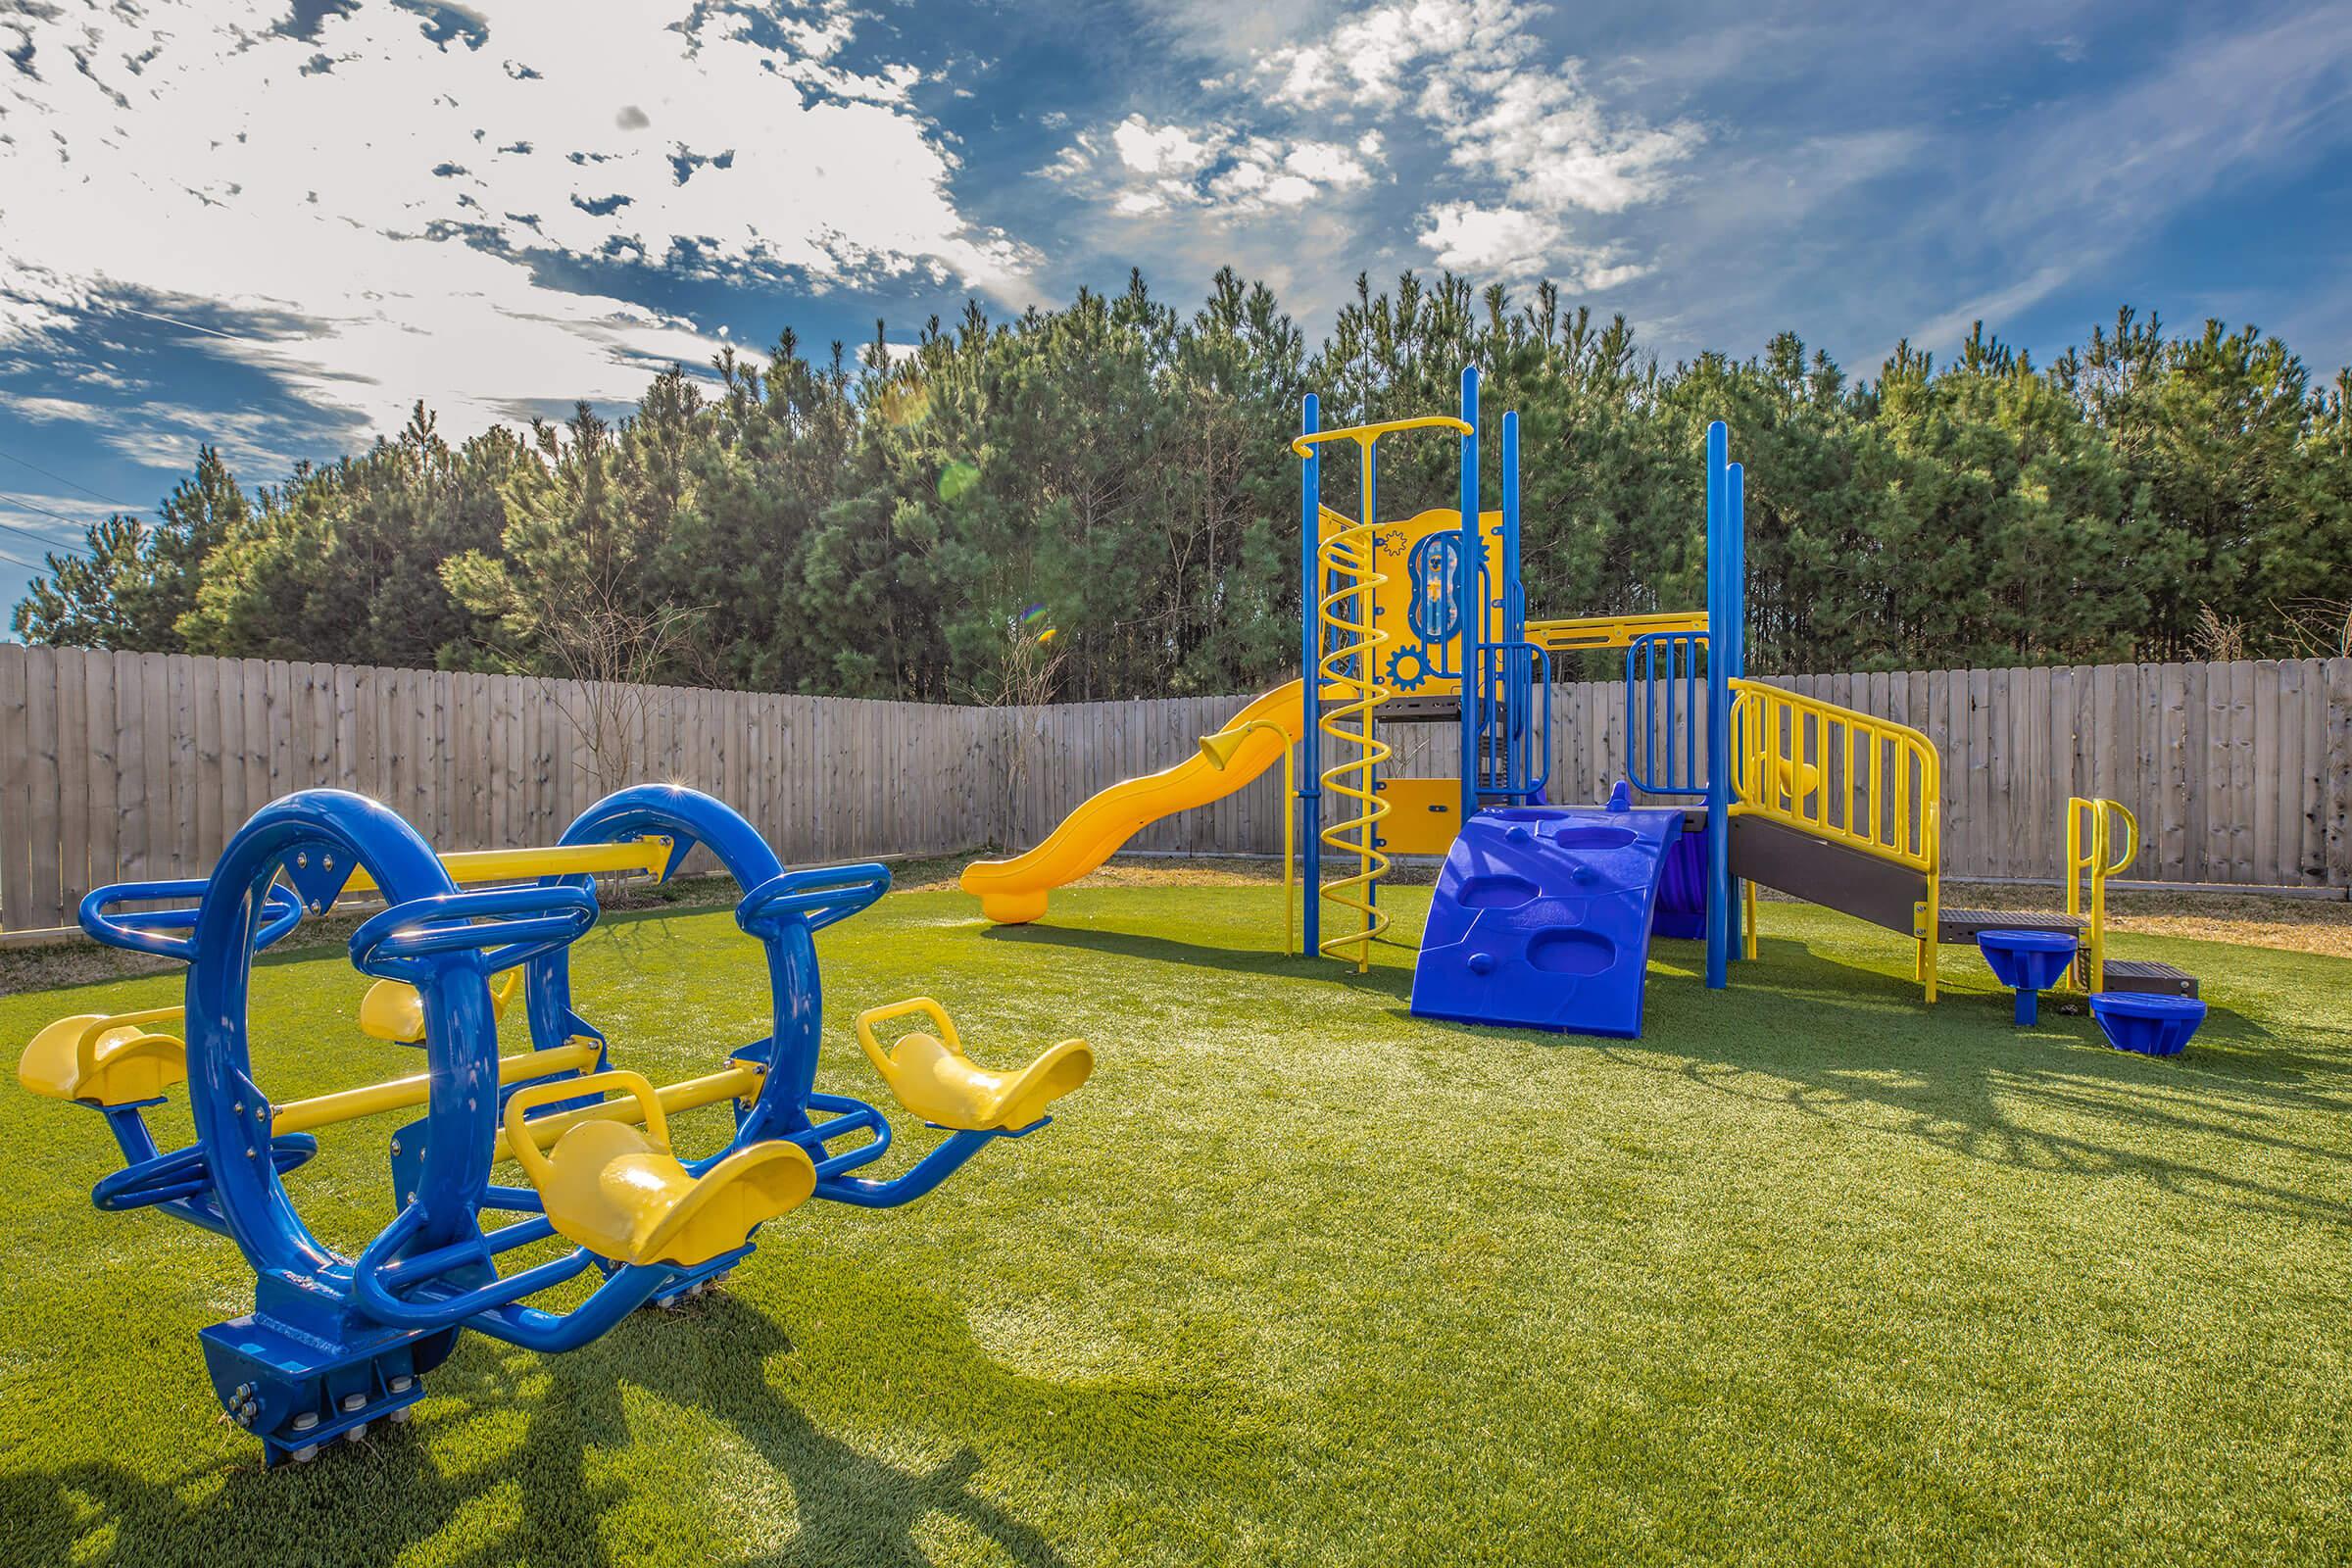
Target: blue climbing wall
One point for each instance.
(1541, 918)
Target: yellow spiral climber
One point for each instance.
(1348, 568)
(1351, 660)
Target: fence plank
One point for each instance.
(19, 809)
(133, 784)
(46, 906)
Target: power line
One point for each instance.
(43, 541)
(174, 320)
(61, 479)
(38, 506)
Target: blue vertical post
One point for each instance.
(1720, 573)
(1519, 710)
(1471, 575)
(1735, 655)
(1310, 692)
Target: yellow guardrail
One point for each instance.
(1855, 780)
(2091, 858)
(1600, 633)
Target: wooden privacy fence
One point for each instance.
(116, 766)
(121, 767)
(2239, 772)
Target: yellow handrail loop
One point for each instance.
(2091, 824)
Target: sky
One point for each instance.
(273, 226)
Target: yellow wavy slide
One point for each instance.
(1013, 891)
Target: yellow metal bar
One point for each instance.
(2090, 837)
(1363, 436)
(1599, 634)
(649, 854)
(739, 1080)
(404, 1094)
(1765, 785)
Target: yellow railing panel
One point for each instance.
(1883, 798)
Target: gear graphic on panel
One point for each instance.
(1393, 541)
(1408, 667)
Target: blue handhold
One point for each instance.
(2148, 1023)
(1541, 918)
(2028, 962)
(1621, 797)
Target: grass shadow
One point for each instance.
(1386, 979)
(554, 1496)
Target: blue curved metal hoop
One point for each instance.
(523, 923)
(145, 931)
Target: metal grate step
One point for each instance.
(2149, 975)
(1960, 926)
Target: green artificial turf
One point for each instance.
(1810, 1273)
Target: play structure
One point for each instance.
(1543, 914)
(600, 1188)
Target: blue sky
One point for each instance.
(274, 224)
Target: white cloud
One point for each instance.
(1553, 149)
(1152, 167)
(165, 435)
(1528, 148)
(1150, 149)
(1464, 237)
(1513, 242)
(372, 211)
(1326, 163)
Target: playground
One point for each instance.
(1299, 1278)
(1687, 1174)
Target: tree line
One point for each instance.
(886, 524)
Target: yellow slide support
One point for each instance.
(1013, 891)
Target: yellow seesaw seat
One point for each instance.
(932, 1077)
(393, 1010)
(111, 1059)
(619, 1192)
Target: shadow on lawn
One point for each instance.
(1387, 980)
(553, 1496)
(1961, 1076)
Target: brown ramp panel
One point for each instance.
(1825, 873)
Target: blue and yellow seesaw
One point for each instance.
(334, 1342)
